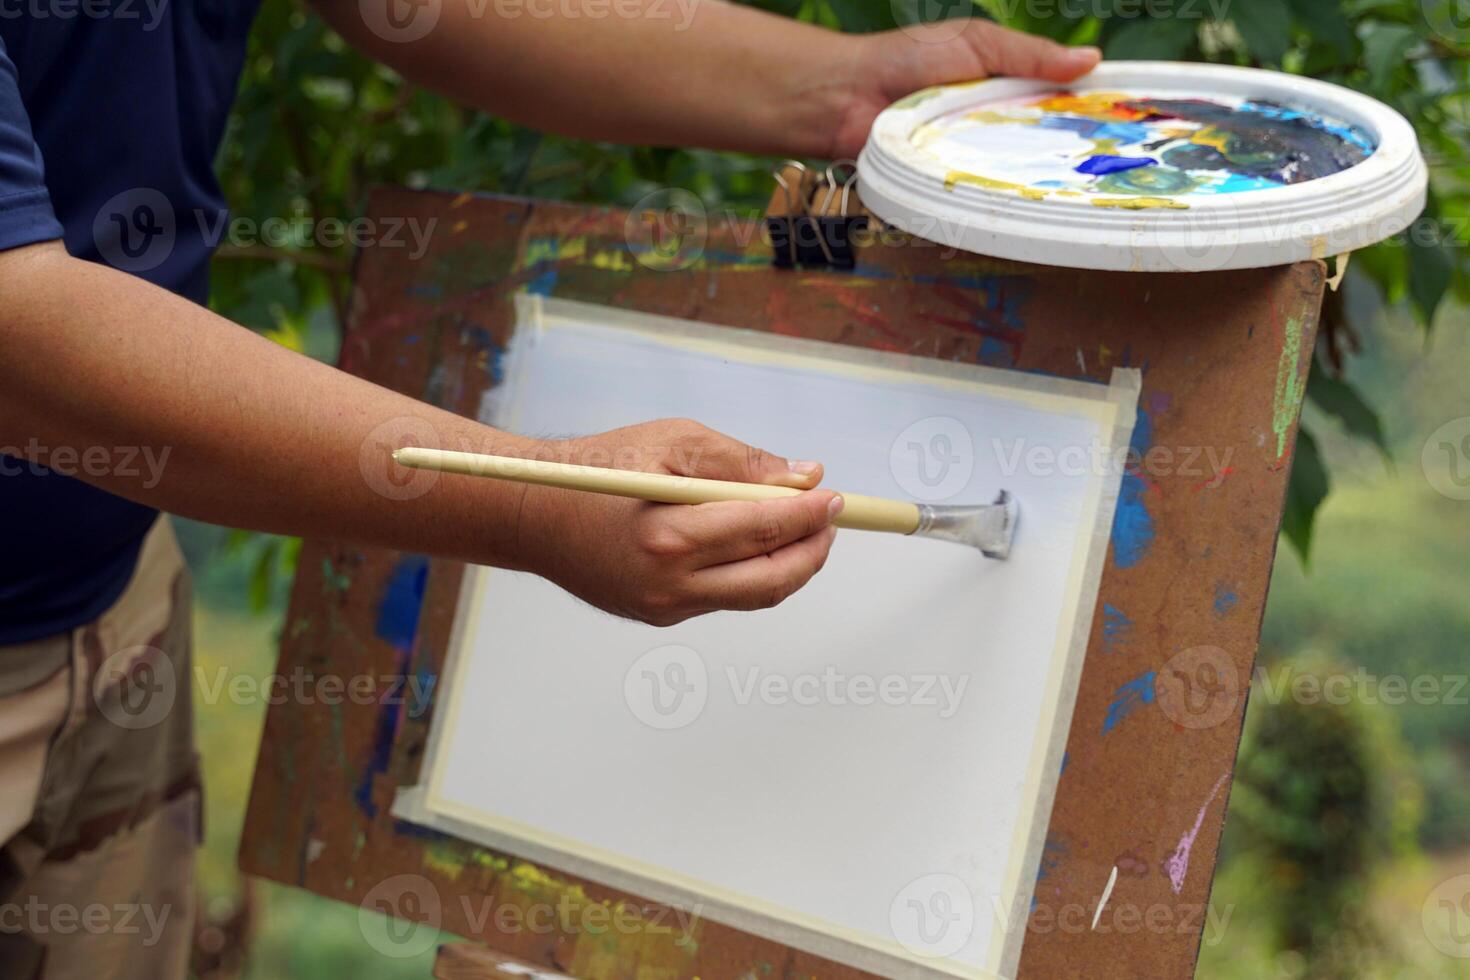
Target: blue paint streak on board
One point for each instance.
(1053, 852)
(543, 254)
(398, 625)
(994, 352)
(1116, 627)
(1128, 698)
(1225, 599)
(402, 828)
(1133, 525)
(1105, 163)
(482, 341)
(403, 600)
(420, 698)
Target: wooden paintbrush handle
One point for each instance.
(859, 511)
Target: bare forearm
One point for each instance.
(653, 72)
(243, 431)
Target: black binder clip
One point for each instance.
(811, 221)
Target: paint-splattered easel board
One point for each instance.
(1157, 722)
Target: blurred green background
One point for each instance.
(1343, 818)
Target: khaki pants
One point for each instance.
(99, 788)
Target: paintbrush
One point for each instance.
(988, 527)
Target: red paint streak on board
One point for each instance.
(985, 316)
(865, 314)
(1214, 482)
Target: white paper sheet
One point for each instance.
(846, 771)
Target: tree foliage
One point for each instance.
(1325, 795)
(316, 124)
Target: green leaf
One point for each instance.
(1384, 49)
(1327, 24)
(1159, 39)
(262, 576)
(862, 17)
(1265, 27)
(1431, 270)
(1304, 494)
(1341, 400)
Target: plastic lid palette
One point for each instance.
(1146, 166)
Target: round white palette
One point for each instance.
(1146, 166)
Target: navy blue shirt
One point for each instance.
(111, 113)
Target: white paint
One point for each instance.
(1102, 902)
(1017, 152)
(806, 808)
(516, 969)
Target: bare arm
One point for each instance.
(684, 72)
(257, 436)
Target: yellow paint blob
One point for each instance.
(1139, 203)
(956, 177)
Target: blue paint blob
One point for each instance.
(1128, 698)
(1133, 525)
(1225, 599)
(403, 600)
(1235, 183)
(1096, 129)
(1104, 164)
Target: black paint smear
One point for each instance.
(1258, 144)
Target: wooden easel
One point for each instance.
(1157, 722)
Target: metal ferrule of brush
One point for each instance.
(989, 527)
